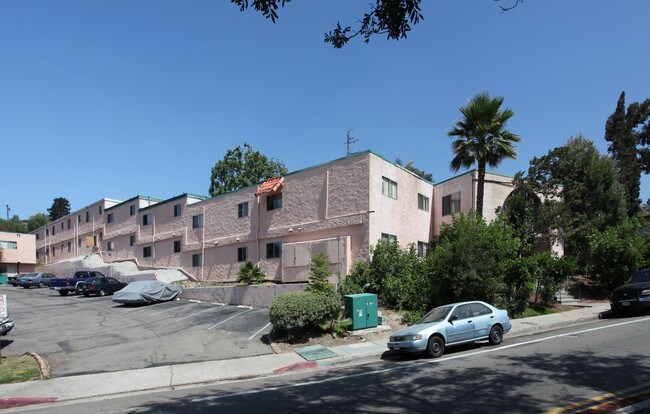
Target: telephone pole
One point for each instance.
(8, 210)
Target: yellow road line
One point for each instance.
(593, 401)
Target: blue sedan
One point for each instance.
(454, 324)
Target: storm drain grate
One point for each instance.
(312, 353)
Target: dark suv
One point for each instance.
(634, 295)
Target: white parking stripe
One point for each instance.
(255, 334)
(226, 320)
(195, 313)
(172, 308)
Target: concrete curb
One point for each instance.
(42, 365)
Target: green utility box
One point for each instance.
(3, 279)
(362, 310)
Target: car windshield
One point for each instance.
(436, 314)
(642, 276)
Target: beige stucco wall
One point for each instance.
(400, 217)
(21, 259)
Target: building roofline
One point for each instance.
(472, 171)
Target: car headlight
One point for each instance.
(416, 337)
(645, 292)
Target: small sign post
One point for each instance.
(3, 314)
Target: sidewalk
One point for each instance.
(172, 376)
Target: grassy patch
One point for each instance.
(534, 310)
(18, 369)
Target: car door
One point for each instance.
(460, 325)
(483, 319)
(113, 285)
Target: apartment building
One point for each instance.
(340, 208)
(17, 253)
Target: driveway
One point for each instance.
(77, 334)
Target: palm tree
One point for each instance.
(482, 138)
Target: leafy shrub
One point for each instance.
(549, 273)
(292, 311)
(250, 273)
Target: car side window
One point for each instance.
(461, 312)
(479, 309)
(112, 281)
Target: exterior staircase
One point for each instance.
(565, 298)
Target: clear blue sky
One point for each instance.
(117, 98)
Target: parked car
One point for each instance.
(454, 324)
(5, 326)
(35, 279)
(634, 295)
(146, 292)
(13, 280)
(99, 286)
(69, 284)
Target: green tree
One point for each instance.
(36, 221)
(521, 210)
(241, 168)
(60, 208)
(617, 252)
(482, 138)
(319, 274)
(13, 225)
(392, 18)
(470, 258)
(627, 133)
(580, 191)
(415, 170)
(250, 273)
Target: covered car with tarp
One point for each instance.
(145, 292)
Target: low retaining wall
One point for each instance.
(257, 296)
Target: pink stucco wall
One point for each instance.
(21, 259)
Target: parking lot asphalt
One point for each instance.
(81, 335)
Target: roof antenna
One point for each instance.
(349, 140)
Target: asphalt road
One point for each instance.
(79, 334)
(532, 374)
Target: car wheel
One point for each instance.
(63, 292)
(436, 346)
(102, 292)
(496, 335)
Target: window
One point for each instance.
(111, 246)
(197, 221)
(242, 209)
(47, 232)
(61, 225)
(273, 250)
(451, 204)
(69, 247)
(461, 312)
(197, 259)
(109, 218)
(423, 202)
(87, 216)
(177, 246)
(273, 201)
(53, 251)
(146, 219)
(389, 237)
(242, 254)
(132, 210)
(79, 218)
(177, 210)
(79, 242)
(422, 248)
(53, 230)
(132, 241)
(69, 224)
(479, 309)
(389, 187)
(146, 251)
(8, 245)
(38, 236)
(101, 210)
